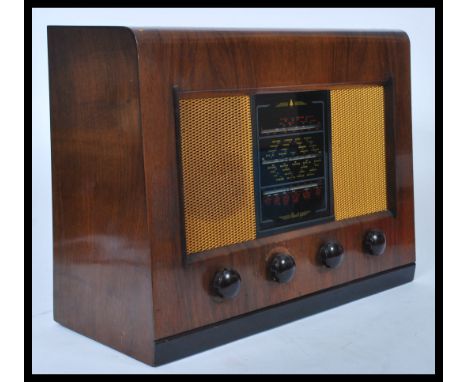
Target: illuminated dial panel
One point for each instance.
(293, 159)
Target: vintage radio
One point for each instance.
(209, 184)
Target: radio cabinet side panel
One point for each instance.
(102, 266)
(233, 62)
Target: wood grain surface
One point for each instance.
(119, 273)
(102, 259)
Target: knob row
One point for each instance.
(281, 267)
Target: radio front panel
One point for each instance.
(259, 164)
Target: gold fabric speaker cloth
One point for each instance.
(358, 151)
(217, 171)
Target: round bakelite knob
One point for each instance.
(226, 283)
(375, 242)
(281, 267)
(332, 254)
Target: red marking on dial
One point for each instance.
(295, 197)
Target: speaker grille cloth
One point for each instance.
(358, 151)
(217, 171)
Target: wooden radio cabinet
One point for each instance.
(209, 184)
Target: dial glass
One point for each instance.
(292, 132)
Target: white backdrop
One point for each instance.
(415, 351)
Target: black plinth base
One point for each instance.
(188, 343)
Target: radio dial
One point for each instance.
(331, 254)
(375, 242)
(281, 267)
(226, 283)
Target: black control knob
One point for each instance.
(331, 254)
(226, 283)
(281, 267)
(375, 242)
